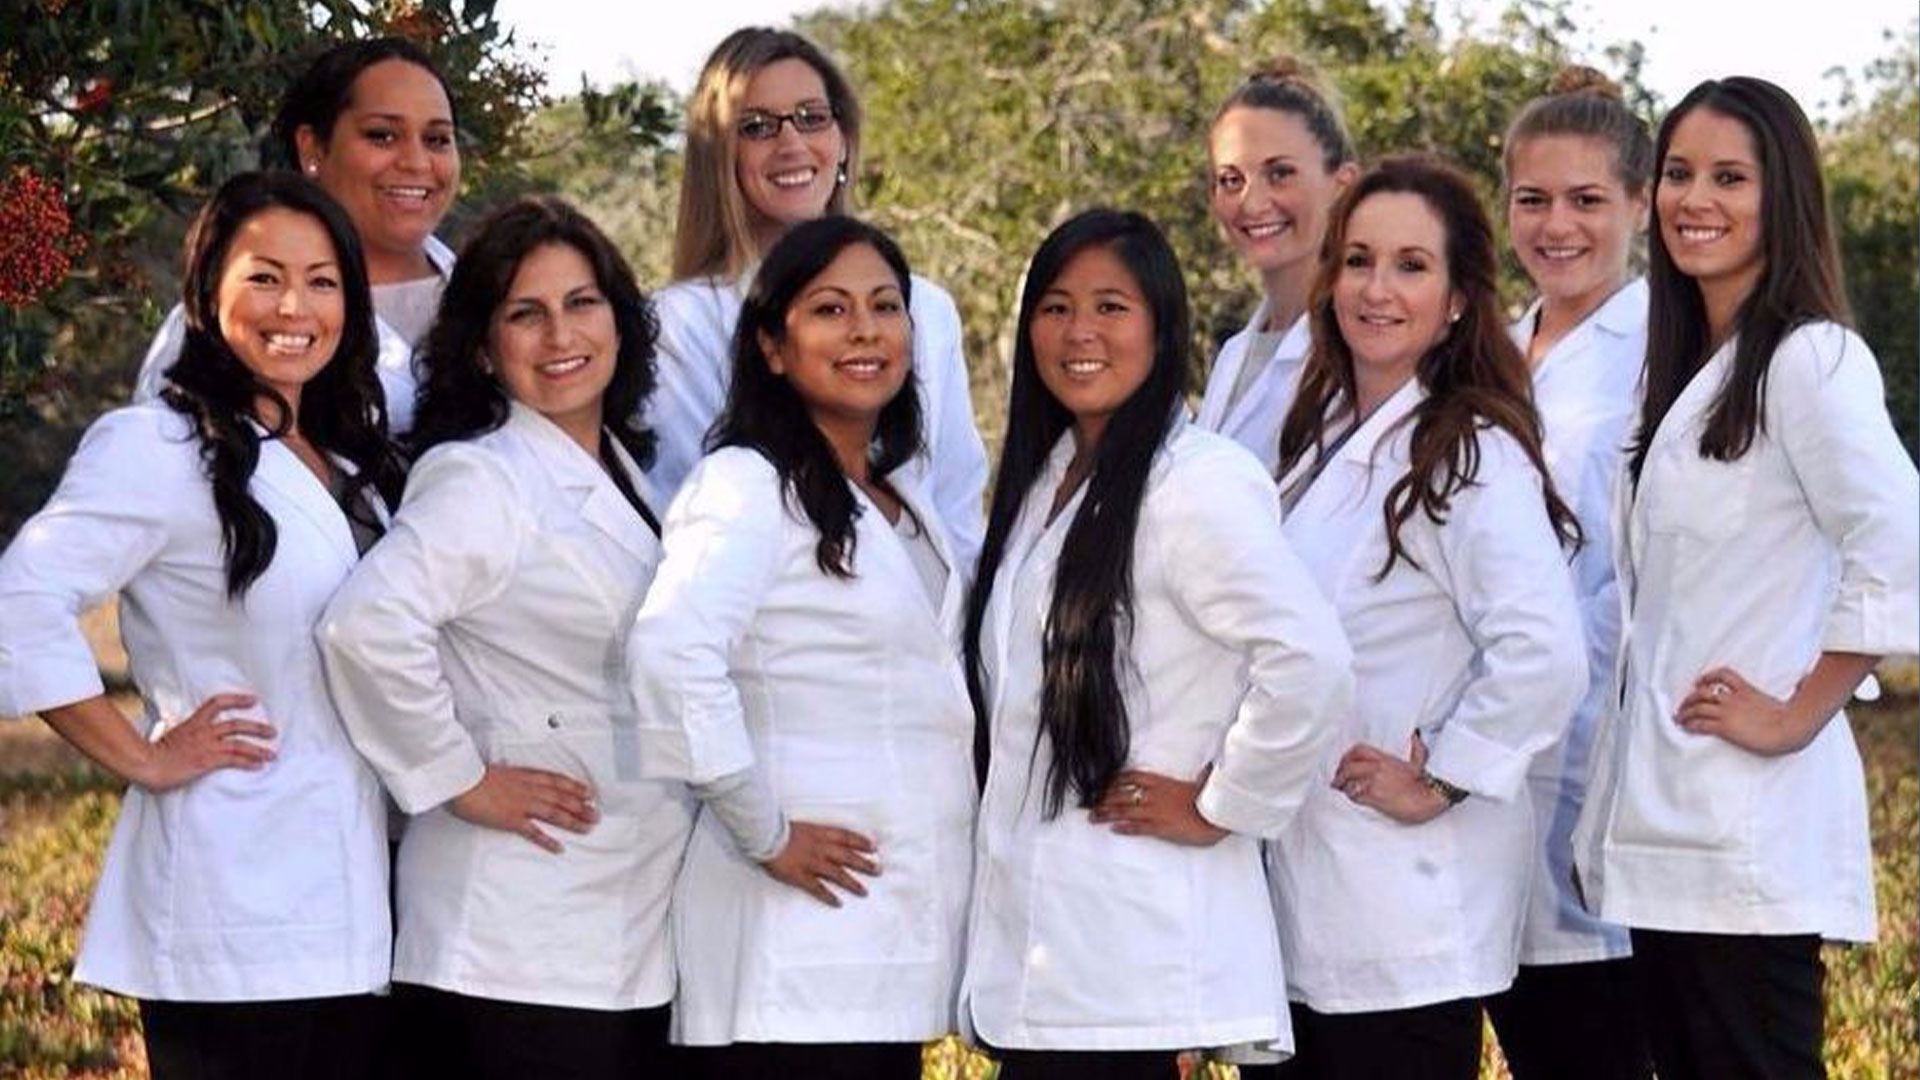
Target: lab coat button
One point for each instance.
(553, 720)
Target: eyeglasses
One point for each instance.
(758, 126)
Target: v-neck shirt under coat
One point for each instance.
(1476, 644)
(1807, 543)
(1587, 389)
(243, 884)
(488, 627)
(845, 696)
(1085, 939)
(1253, 416)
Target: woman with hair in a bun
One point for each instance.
(1768, 557)
(1579, 169)
(1278, 156)
(373, 123)
(773, 140)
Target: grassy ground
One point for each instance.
(55, 815)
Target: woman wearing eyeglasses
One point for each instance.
(773, 135)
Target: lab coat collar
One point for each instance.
(1361, 447)
(947, 617)
(1696, 398)
(439, 255)
(282, 470)
(585, 481)
(1226, 369)
(1621, 315)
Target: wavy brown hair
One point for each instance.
(1474, 376)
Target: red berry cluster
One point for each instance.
(37, 242)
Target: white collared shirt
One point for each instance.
(1474, 643)
(242, 885)
(1805, 544)
(1587, 388)
(486, 628)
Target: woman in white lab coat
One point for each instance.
(1578, 165)
(243, 898)
(773, 138)
(1155, 678)
(795, 663)
(373, 123)
(1278, 156)
(474, 656)
(1767, 557)
(1416, 493)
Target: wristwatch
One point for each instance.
(1451, 793)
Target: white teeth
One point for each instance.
(407, 192)
(1085, 367)
(1264, 230)
(1562, 252)
(861, 367)
(1379, 320)
(1700, 234)
(557, 368)
(289, 343)
(794, 178)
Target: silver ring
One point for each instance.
(1719, 689)
(1136, 794)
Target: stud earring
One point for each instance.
(840, 175)
(313, 169)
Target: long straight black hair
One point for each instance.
(342, 409)
(765, 413)
(1799, 282)
(1083, 713)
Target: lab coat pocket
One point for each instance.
(1694, 793)
(244, 859)
(569, 912)
(1113, 922)
(895, 923)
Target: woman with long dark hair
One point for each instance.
(373, 123)
(1579, 173)
(1278, 155)
(1417, 494)
(773, 140)
(1153, 678)
(1769, 557)
(474, 658)
(243, 898)
(794, 662)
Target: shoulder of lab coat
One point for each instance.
(693, 366)
(956, 456)
(1826, 405)
(1226, 371)
(116, 508)
(1497, 556)
(722, 551)
(394, 367)
(1233, 575)
(452, 547)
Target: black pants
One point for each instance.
(803, 1061)
(333, 1038)
(1086, 1064)
(1731, 1006)
(441, 1034)
(1430, 1042)
(1572, 1022)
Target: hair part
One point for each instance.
(1289, 85)
(766, 414)
(1474, 376)
(1583, 103)
(324, 90)
(713, 232)
(459, 398)
(1083, 710)
(342, 408)
(1800, 278)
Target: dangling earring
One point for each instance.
(840, 175)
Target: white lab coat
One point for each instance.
(1085, 939)
(846, 696)
(394, 365)
(1478, 648)
(241, 885)
(695, 362)
(1254, 420)
(487, 627)
(1587, 388)
(1805, 544)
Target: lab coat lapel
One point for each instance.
(588, 489)
(283, 471)
(1226, 372)
(1028, 534)
(1261, 396)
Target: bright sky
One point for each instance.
(1687, 40)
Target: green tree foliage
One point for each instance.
(1027, 112)
(1873, 180)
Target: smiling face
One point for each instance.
(1393, 297)
(845, 346)
(392, 162)
(1570, 219)
(279, 300)
(788, 178)
(1271, 189)
(1092, 338)
(1708, 202)
(553, 343)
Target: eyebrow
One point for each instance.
(438, 121)
(257, 257)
